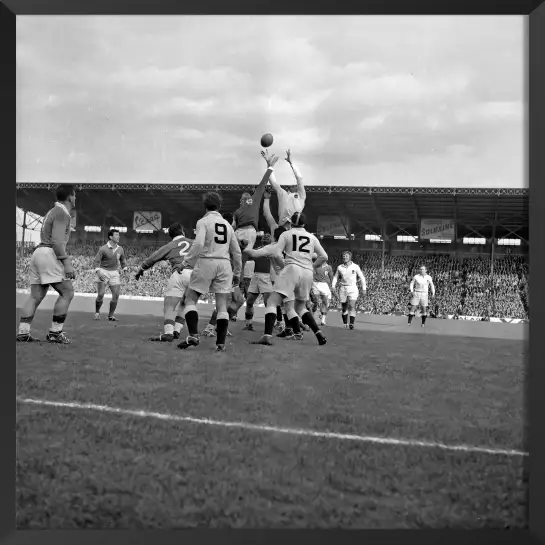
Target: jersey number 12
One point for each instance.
(300, 244)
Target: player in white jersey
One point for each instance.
(348, 274)
(293, 283)
(419, 287)
(214, 249)
(290, 200)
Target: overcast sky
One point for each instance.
(404, 101)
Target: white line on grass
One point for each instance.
(274, 429)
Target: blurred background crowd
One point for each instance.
(464, 286)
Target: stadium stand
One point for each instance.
(479, 280)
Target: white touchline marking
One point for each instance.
(274, 429)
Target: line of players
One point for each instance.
(290, 269)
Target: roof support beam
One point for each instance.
(378, 214)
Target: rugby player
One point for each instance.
(348, 274)
(109, 258)
(50, 265)
(419, 289)
(293, 283)
(322, 289)
(217, 263)
(260, 283)
(174, 252)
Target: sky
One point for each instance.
(434, 101)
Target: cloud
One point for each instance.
(385, 100)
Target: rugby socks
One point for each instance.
(57, 324)
(270, 318)
(24, 325)
(221, 328)
(345, 313)
(308, 319)
(249, 314)
(192, 322)
(113, 306)
(98, 305)
(179, 324)
(169, 327)
(411, 316)
(294, 321)
(423, 319)
(352, 319)
(278, 314)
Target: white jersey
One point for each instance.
(215, 239)
(348, 275)
(289, 204)
(421, 283)
(297, 245)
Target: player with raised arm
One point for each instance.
(174, 252)
(50, 265)
(348, 274)
(217, 263)
(419, 286)
(321, 287)
(290, 200)
(293, 284)
(260, 283)
(109, 259)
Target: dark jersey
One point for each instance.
(174, 252)
(55, 231)
(248, 212)
(262, 265)
(110, 257)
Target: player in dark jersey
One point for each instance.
(50, 265)
(260, 283)
(174, 252)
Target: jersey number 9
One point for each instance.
(221, 233)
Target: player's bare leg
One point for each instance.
(412, 312)
(65, 289)
(324, 309)
(344, 315)
(308, 319)
(191, 319)
(222, 321)
(275, 300)
(352, 312)
(101, 290)
(37, 294)
(169, 306)
(116, 290)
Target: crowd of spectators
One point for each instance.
(464, 286)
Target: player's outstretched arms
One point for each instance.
(272, 179)
(298, 178)
(260, 189)
(273, 225)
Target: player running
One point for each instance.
(321, 287)
(214, 249)
(293, 284)
(109, 258)
(348, 274)
(50, 265)
(260, 283)
(419, 288)
(174, 252)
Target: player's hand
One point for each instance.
(139, 274)
(288, 156)
(69, 271)
(270, 160)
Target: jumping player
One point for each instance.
(260, 283)
(321, 287)
(174, 252)
(348, 274)
(419, 289)
(214, 250)
(293, 284)
(109, 258)
(50, 265)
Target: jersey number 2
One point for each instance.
(302, 242)
(221, 233)
(184, 247)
